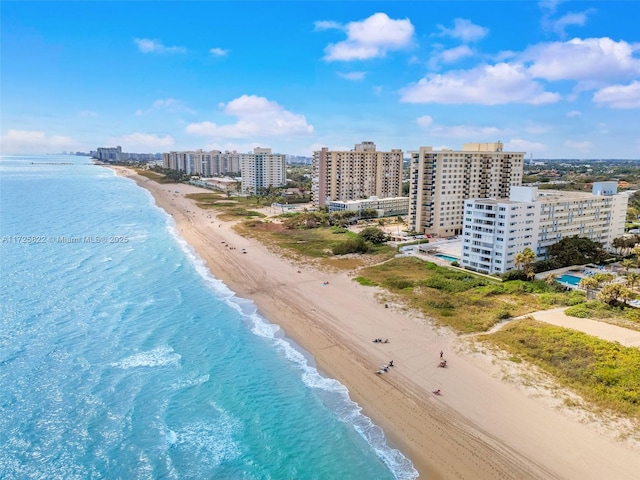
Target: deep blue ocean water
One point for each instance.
(121, 357)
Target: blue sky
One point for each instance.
(550, 78)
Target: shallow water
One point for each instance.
(122, 357)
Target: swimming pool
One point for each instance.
(570, 279)
(448, 258)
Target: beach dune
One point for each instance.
(480, 427)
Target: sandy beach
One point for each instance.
(481, 427)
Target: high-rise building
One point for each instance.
(495, 231)
(203, 163)
(441, 180)
(262, 169)
(109, 154)
(355, 174)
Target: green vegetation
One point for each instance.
(458, 298)
(159, 177)
(230, 208)
(597, 310)
(373, 235)
(318, 244)
(603, 373)
(576, 251)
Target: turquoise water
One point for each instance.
(570, 279)
(121, 357)
(448, 258)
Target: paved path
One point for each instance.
(613, 333)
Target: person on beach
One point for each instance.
(391, 363)
(441, 353)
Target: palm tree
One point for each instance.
(524, 259)
(551, 279)
(632, 279)
(588, 284)
(627, 264)
(603, 277)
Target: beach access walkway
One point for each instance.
(605, 331)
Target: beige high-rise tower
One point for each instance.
(442, 180)
(354, 174)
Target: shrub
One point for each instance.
(352, 245)
(373, 235)
(366, 282)
(504, 311)
(514, 275)
(398, 283)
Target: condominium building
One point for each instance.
(385, 207)
(203, 163)
(355, 174)
(441, 180)
(495, 231)
(262, 169)
(109, 154)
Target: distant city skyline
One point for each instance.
(553, 79)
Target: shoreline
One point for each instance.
(480, 428)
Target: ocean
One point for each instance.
(122, 357)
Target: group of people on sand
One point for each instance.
(443, 362)
(379, 340)
(385, 368)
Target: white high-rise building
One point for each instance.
(495, 231)
(262, 169)
(203, 163)
(355, 174)
(441, 180)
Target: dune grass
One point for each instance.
(456, 298)
(604, 373)
(313, 244)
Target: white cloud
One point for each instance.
(257, 117)
(219, 52)
(619, 96)
(143, 142)
(454, 54)
(468, 132)
(370, 38)
(520, 145)
(87, 114)
(549, 5)
(484, 85)
(584, 60)
(326, 25)
(536, 129)
(146, 45)
(424, 121)
(561, 23)
(34, 142)
(582, 147)
(171, 105)
(377, 89)
(354, 76)
(574, 113)
(464, 30)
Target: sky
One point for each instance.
(553, 79)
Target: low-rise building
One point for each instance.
(496, 230)
(385, 207)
